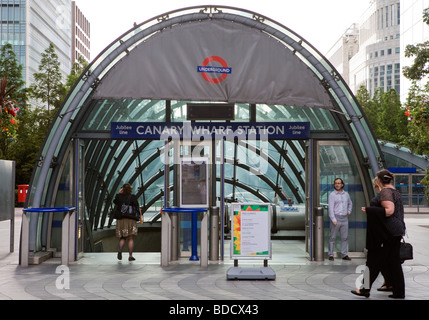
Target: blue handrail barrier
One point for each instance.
(68, 234)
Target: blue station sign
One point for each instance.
(210, 130)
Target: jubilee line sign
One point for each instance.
(210, 130)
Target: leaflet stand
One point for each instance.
(252, 244)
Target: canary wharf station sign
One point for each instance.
(210, 130)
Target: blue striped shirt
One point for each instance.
(339, 203)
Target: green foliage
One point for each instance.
(417, 113)
(12, 96)
(77, 69)
(48, 86)
(417, 105)
(420, 68)
(384, 113)
(33, 123)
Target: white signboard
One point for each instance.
(194, 182)
(251, 235)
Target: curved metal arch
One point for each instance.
(122, 45)
(119, 177)
(160, 173)
(407, 155)
(276, 167)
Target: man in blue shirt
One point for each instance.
(340, 206)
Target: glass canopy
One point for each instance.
(148, 75)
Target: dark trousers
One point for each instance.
(395, 265)
(386, 260)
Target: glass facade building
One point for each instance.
(265, 70)
(31, 25)
(14, 26)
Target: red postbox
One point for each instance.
(22, 193)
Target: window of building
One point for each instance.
(386, 10)
(398, 15)
(397, 67)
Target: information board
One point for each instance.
(194, 182)
(251, 231)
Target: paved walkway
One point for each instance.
(101, 276)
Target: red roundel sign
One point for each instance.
(206, 70)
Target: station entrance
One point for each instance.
(224, 61)
(281, 163)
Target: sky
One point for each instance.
(319, 22)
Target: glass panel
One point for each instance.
(418, 191)
(320, 119)
(128, 110)
(242, 112)
(338, 161)
(403, 186)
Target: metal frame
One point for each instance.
(70, 118)
(118, 48)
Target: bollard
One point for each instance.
(194, 221)
(214, 234)
(318, 234)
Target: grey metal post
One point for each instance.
(204, 256)
(214, 234)
(174, 236)
(165, 239)
(318, 234)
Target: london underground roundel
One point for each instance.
(207, 70)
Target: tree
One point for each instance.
(7, 117)
(47, 82)
(417, 105)
(418, 99)
(384, 113)
(12, 96)
(34, 124)
(393, 123)
(76, 71)
(420, 52)
(12, 70)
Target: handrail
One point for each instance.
(66, 238)
(180, 209)
(44, 210)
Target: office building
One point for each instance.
(30, 26)
(81, 35)
(376, 62)
(413, 31)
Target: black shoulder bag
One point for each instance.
(129, 211)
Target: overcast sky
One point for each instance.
(319, 22)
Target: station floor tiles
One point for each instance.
(100, 276)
